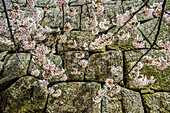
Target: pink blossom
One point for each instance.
(138, 42)
(47, 75)
(141, 81)
(43, 83)
(58, 71)
(67, 27)
(63, 38)
(79, 55)
(104, 25)
(63, 77)
(72, 43)
(74, 71)
(71, 12)
(95, 31)
(30, 4)
(109, 83)
(97, 99)
(82, 1)
(83, 63)
(56, 93)
(115, 89)
(101, 92)
(28, 45)
(50, 91)
(35, 72)
(47, 29)
(97, 8)
(147, 12)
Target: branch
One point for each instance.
(156, 37)
(8, 22)
(105, 32)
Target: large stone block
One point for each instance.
(126, 101)
(76, 97)
(100, 64)
(25, 95)
(157, 102)
(161, 76)
(14, 68)
(71, 61)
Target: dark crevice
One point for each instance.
(144, 107)
(124, 68)
(123, 108)
(81, 10)
(5, 64)
(7, 84)
(45, 108)
(101, 109)
(29, 64)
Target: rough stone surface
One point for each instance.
(157, 102)
(70, 61)
(25, 95)
(99, 66)
(162, 76)
(14, 68)
(76, 97)
(126, 101)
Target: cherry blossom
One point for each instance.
(72, 43)
(67, 27)
(75, 71)
(56, 93)
(43, 83)
(109, 83)
(35, 72)
(105, 24)
(97, 99)
(83, 63)
(63, 77)
(79, 55)
(71, 12)
(30, 4)
(63, 38)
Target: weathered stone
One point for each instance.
(53, 19)
(76, 97)
(157, 102)
(25, 95)
(3, 54)
(70, 61)
(1, 66)
(81, 38)
(111, 105)
(161, 76)
(126, 101)
(99, 66)
(14, 68)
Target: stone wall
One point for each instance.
(21, 92)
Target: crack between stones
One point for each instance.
(29, 64)
(45, 107)
(124, 68)
(142, 100)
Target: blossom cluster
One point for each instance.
(102, 41)
(109, 90)
(82, 62)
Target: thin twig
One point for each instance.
(12, 36)
(156, 37)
